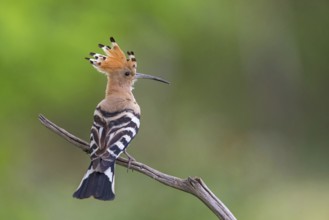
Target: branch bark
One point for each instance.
(192, 185)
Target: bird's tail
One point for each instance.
(100, 185)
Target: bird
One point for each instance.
(116, 120)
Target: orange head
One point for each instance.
(115, 64)
(119, 69)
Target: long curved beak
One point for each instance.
(145, 76)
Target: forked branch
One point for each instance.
(192, 185)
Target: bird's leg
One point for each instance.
(130, 158)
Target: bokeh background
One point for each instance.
(247, 109)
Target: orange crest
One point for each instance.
(114, 59)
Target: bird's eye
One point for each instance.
(127, 73)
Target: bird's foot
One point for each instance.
(130, 159)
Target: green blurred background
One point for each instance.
(247, 109)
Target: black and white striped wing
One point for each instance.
(112, 132)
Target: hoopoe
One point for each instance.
(116, 120)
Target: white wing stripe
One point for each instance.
(119, 142)
(121, 126)
(120, 145)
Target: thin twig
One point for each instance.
(192, 185)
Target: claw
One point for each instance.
(130, 159)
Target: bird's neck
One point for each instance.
(119, 97)
(120, 90)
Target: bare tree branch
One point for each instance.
(192, 185)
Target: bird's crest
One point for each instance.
(114, 59)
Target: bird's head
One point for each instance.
(120, 70)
